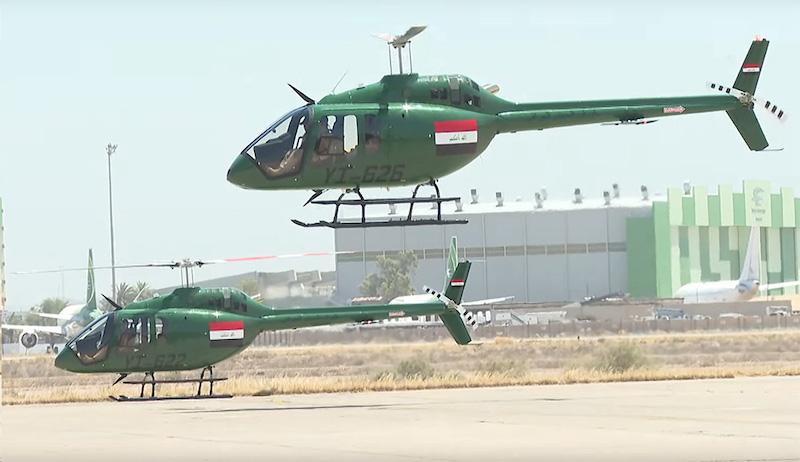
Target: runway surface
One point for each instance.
(709, 420)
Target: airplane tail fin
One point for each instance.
(452, 260)
(91, 298)
(752, 259)
(746, 82)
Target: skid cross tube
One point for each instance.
(436, 199)
(149, 379)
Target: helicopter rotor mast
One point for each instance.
(399, 42)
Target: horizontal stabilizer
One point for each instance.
(746, 122)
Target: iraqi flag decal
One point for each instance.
(457, 283)
(747, 68)
(456, 136)
(226, 333)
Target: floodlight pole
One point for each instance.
(110, 150)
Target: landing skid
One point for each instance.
(408, 220)
(149, 379)
(126, 399)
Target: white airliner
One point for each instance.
(70, 320)
(452, 262)
(747, 287)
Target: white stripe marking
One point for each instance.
(457, 137)
(232, 334)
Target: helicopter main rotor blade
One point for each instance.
(191, 263)
(270, 257)
(408, 35)
(84, 268)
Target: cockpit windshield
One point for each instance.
(279, 149)
(91, 345)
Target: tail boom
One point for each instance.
(540, 116)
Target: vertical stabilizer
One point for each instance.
(452, 261)
(747, 77)
(752, 259)
(91, 298)
(746, 81)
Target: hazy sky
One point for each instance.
(182, 87)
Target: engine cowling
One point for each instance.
(748, 287)
(28, 340)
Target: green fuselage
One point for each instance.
(194, 328)
(398, 131)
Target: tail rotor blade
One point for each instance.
(468, 318)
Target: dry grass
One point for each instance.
(501, 362)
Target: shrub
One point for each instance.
(621, 357)
(414, 368)
(507, 368)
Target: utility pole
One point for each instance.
(110, 150)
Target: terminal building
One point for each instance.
(548, 250)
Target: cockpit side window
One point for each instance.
(372, 133)
(158, 325)
(279, 149)
(134, 332)
(337, 135)
(91, 345)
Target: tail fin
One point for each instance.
(455, 286)
(746, 81)
(752, 259)
(453, 318)
(91, 298)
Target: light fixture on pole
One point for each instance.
(110, 150)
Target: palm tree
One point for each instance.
(125, 293)
(143, 291)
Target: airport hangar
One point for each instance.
(547, 250)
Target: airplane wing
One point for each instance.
(488, 301)
(46, 329)
(63, 317)
(778, 285)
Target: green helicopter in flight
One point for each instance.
(409, 129)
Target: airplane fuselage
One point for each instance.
(717, 292)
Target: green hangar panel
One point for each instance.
(697, 235)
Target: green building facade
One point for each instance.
(702, 236)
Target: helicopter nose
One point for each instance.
(243, 172)
(66, 360)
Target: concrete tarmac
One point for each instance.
(706, 420)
